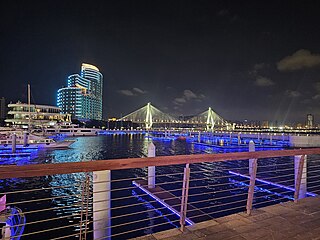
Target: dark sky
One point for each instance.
(256, 60)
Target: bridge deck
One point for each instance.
(282, 221)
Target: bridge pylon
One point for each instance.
(210, 119)
(149, 115)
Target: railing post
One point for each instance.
(14, 143)
(253, 173)
(184, 197)
(151, 169)
(25, 139)
(300, 177)
(84, 207)
(239, 139)
(102, 204)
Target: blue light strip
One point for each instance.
(161, 202)
(271, 183)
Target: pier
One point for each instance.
(172, 202)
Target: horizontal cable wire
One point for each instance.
(64, 237)
(46, 199)
(219, 205)
(130, 214)
(49, 230)
(206, 193)
(210, 179)
(47, 220)
(313, 187)
(155, 225)
(132, 222)
(133, 187)
(277, 188)
(278, 170)
(143, 220)
(134, 230)
(220, 211)
(120, 180)
(255, 204)
(214, 185)
(170, 174)
(272, 194)
(48, 209)
(259, 166)
(273, 183)
(40, 189)
(214, 199)
(165, 183)
(268, 178)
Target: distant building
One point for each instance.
(40, 115)
(82, 98)
(310, 121)
(3, 109)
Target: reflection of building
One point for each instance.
(40, 114)
(3, 111)
(82, 98)
(310, 121)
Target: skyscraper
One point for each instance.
(82, 98)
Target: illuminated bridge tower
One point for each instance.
(209, 118)
(149, 116)
(82, 98)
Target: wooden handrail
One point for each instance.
(37, 170)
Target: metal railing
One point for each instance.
(114, 199)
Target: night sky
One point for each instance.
(255, 60)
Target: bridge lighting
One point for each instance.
(148, 115)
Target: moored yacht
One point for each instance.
(25, 140)
(68, 130)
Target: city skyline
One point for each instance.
(245, 60)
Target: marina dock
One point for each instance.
(171, 201)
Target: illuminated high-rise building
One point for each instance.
(82, 98)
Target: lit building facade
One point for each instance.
(82, 98)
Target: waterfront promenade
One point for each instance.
(64, 199)
(282, 221)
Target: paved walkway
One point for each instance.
(282, 221)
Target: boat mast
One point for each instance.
(29, 107)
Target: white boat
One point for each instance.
(30, 141)
(67, 130)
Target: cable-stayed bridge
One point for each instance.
(150, 117)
